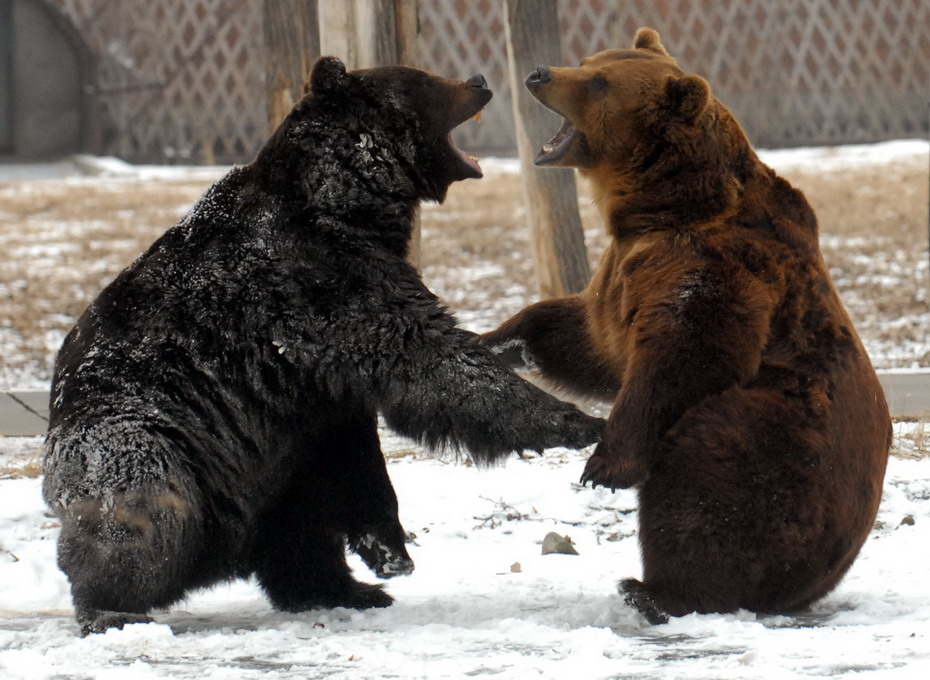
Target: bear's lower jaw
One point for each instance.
(556, 148)
(472, 170)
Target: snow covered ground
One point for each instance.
(483, 601)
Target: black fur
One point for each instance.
(214, 411)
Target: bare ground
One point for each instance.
(62, 241)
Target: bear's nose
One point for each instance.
(542, 74)
(478, 81)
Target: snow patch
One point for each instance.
(464, 613)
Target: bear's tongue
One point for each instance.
(556, 147)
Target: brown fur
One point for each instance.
(746, 410)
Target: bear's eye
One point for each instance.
(597, 84)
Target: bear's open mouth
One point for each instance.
(469, 160)
(558, 146)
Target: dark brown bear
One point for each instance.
(746, 410)
(214, 411)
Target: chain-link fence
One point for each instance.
(184, 79)
(794, 72)
(174, 80)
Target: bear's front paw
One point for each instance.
(383, 559)
(512, 352)
(577, 430)
(612, 471)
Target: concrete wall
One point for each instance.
(6, 47)
(42, 99)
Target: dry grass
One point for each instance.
(911, 439)
(483, 222)
(62, 241)
(31, 469)
(20, 457)
(873, 224)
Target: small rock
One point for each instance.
(516, 568)
(908, 520)
(556, 543)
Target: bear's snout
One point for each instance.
(478, 81)
(541, 75)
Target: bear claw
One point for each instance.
(613, 473)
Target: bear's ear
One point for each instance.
(688, 96)
(328, 75)
(648, 39)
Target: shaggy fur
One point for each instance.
(213, 412)
(746, 410)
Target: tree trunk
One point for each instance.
(367, 33)
(532, 28)
(292, 43)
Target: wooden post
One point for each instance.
(367, 33)
(292, 43)
(532, 29)
(406, 29)
(338, 32)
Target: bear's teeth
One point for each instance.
(477, 117)
(473, 158)
(547, 148)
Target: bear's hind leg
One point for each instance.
(125, 556)
(742, 509)
(639, 596)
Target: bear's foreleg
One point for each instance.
(436, 383)
(453, 391)
(552, 336)
(339, 490)
(695, 333)
(352, 478)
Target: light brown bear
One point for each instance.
(745, 409)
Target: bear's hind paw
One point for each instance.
(366, 596)
(100, 621)
(637, 595)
